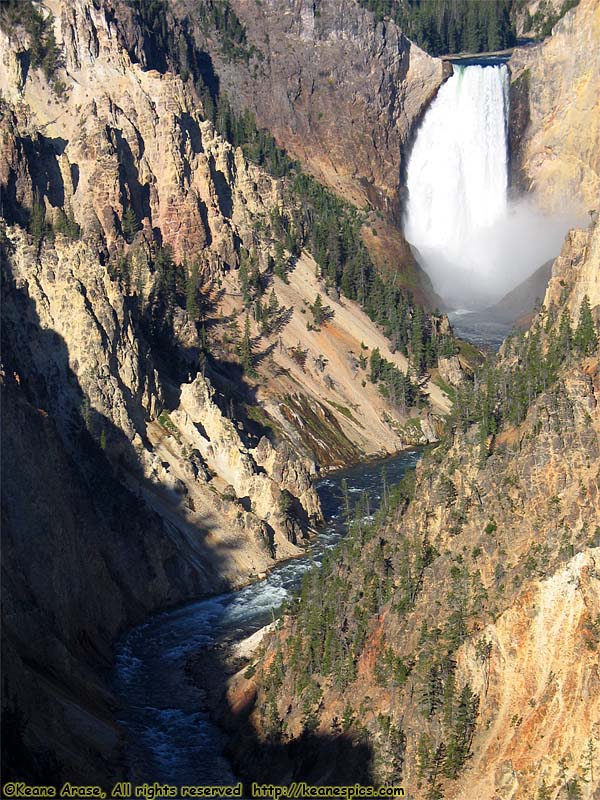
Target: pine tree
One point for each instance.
(590, 750)
(573, 789)
(130, 225)
(416, 340)
(318, 311)
(255, 278)
(273, 306)
(437, 764)
(565, 334)
(51, 60)
(462, 732)
(123, 271)
(65, 224)
(494, 41)
(472, 41)
(424, 755)
(37, 220)
(375, 363)
(166, 273)
(244, 278)
(279, 268)
(245, 350)
(259, 314)
(586, 338)
(203, 339)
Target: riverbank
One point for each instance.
(211, 668)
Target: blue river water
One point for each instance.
(483, 331)
(170, 737)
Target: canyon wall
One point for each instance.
(146, 465)
(341, 93)
(338, 90)
(555, 116)
(456, 641)
(143, 471)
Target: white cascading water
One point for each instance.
(458, 172)
(474, 244)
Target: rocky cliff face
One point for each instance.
(340, 92)
(535, 18)
(575, 273)
(467, 653)
(158, 473)
(133, 512)
(119, 137)
(555, 128)
(117, 507)
(544, 727)
(82, 559)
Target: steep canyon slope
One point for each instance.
(555, 116)
(455, 641)
(159, 434)
(340, 91)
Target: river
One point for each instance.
(170, 738)
(480, 328)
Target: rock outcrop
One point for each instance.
(555, 118)
(117, 507)
(575, 273)
(120, 138)
(546, 706)
(467, 660)
(131, 512)
(338, 90)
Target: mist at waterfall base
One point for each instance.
(475, 243)
(496, 259)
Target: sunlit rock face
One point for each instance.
(339, 90)
(555, 117)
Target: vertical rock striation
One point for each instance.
(555, 113)
(115, 462)
(338, 90)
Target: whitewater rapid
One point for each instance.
(474, 242)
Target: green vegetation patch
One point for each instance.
(167, 423)
(445, 26)
(44, 52)
(448, 390)
(257, 414)
(346, 412)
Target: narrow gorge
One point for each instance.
(300, 384)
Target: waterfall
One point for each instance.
(473, 242)
(458, 173)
